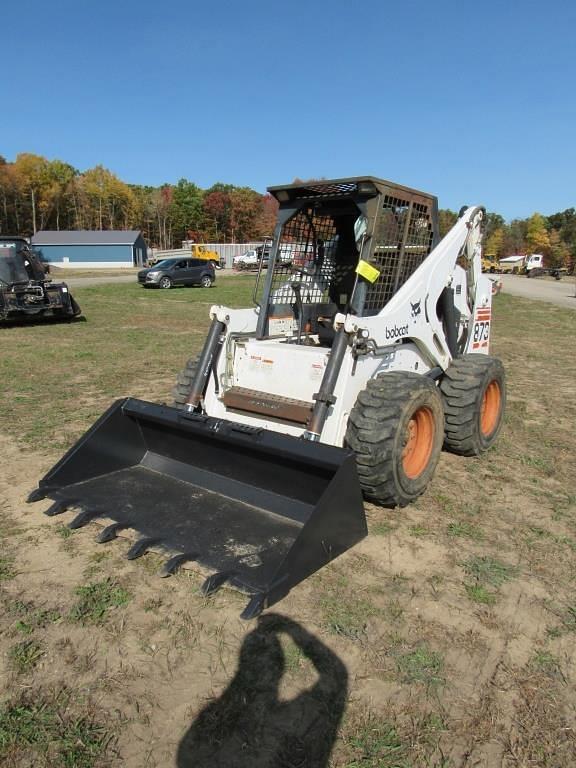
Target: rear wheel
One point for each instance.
(474, 390)
(183, 385)
(165, 282)
(396, 430)
(206, 281)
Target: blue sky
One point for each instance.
(474, 102)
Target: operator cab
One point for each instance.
(330, 236)
(315, 277)
(19, 264)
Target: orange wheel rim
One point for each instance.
(419, 442)
(490, 410)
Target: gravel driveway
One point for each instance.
(559, 292)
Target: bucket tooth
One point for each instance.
(173, 564)
(214, 582)
(109, 533)
(36, 495)
(57, 508)
(140, 547)
(254, 608)
(82, 518)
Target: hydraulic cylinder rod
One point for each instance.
(325, 397)
(205, 365)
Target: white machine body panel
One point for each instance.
(406, 335)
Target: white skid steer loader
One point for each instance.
(365, 352)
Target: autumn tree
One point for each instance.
(515, 237)
(145, 213)
(492, 222)
(268, 214)
(217, 212)
(245, 208)
(32, 178)
(446, 220)
(108, 201)
(186, 209)
(161, 204)
(494, 243)
(537, 238)
(564, 224)
(56, 201)
(558, 251)
(9, 221)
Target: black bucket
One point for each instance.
(260, 509)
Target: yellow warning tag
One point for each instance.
(367, 271)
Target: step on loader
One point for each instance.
(26, 291)
(365, 352)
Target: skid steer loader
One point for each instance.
(26, 292)
(365, 351)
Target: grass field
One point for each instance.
(446, 638)
(63, 273)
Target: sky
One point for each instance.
(473, 102)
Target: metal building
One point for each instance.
(91, 249)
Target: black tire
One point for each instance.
(378, 432)
(206, 281)
(183, 385)
(165, 282)
(474, 391)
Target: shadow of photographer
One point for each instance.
(250, 727)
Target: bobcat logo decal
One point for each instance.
(415, 308)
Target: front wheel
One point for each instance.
(206, 281)
(396, 430)
(165, 282)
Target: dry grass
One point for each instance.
(63, 273)
(55, 379)
(443, 639)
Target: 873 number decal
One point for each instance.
(481, 331)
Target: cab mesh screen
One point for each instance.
(311, 253)
(403, 239)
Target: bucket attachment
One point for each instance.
(259, 509)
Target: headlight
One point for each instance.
(152, 274)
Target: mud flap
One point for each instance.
(259, 509)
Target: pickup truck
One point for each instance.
(531, 265)
(251, 259)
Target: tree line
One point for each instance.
(36, 193)
(553, 236)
